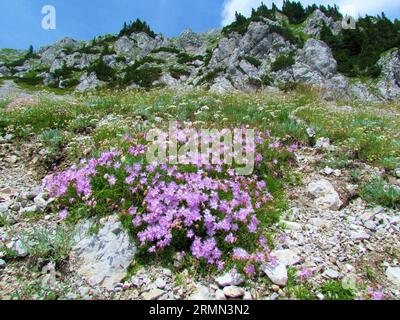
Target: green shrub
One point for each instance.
(64, 72)
(88, 50)
(30, 78)
(142, 74)
(102, 70)
(82, 125)
(146, 59)
(282, 62)
(144, 77)
(333, 290)
(49, 245)
(263, 12)
(136, 27)
(358, 51)
(257, 83)
(267, 79)
(120, 59)
(52, 139)
(177, 72)
(211, 76)
(166, 49)
(184, 58)
(254, 61)
(240, 25)
(287, 34)
(70, 83)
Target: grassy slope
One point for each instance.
(370, 133)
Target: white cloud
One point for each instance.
(242, 6)
(352, 7)
(362, 7)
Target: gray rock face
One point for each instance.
(49, 54)
(222, 85)
(57, 65)
(169, 80)
(137, 45)
(48, 78)
(389, 85)
(4, 71)
(80, 60)
(315, 21)
(124, 46)
(110, 60)
(104, 258)
(258, 43)
(318, 56)
(286, 256)
(360, 91)
(190, 42)
(152, 294)
(89, 82)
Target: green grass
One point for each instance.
(333, 290)
(49, 245)
(377, 192)
(298, 290)
(369, 136)
(3, 221)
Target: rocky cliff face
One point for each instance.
(263, 56)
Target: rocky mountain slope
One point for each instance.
(268, 53)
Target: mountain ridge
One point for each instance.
(263, 51)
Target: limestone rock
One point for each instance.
(393, 274)
(152, 294)
(325, 195)
(89, 82)
(201, 293)
(277, 274)
(231, 278)
(103, 258)
(286, 257)
(233, 292)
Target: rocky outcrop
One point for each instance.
(247, 57)
(318, 57)
(89, 82)
(389, 84)
(103, 258)
(314, 23)
(137, 45)
(191, 42)
(4, 71)
(49, 54)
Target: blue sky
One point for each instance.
(20, 20)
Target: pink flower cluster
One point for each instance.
(210, 206)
